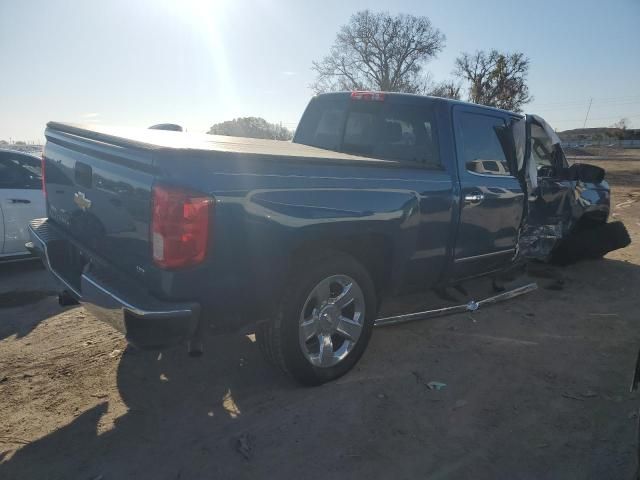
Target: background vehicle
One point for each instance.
(158, 235)
(21, 200)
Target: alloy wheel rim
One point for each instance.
(331, 320)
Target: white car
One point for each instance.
(21, 200)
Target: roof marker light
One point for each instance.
(367, 96)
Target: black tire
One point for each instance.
(278, 338)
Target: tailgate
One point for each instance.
(100, 193)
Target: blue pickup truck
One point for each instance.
(160, 232)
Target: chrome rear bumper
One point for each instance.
(146, 321)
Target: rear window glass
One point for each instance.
(361, 128)
(374, 129)
(407, 133)
(322, 124)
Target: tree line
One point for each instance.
(384, 52)
(379, 51)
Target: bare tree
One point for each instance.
(447, 89)
(497, 79)
(378, 51)
(622, 124)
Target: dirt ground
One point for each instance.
(536, 388)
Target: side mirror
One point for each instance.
(585, 173)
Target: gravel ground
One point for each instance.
(536, 388)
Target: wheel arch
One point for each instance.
(374, 251)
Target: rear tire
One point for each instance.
(331, 300)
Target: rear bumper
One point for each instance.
(146, 321)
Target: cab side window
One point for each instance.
(482, 149)
(18, 172)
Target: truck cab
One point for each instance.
(465, 146)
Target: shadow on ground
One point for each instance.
(22, 286)
(536, 388)
(181, 412)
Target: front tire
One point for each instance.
(324, 321)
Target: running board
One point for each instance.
(472, 306)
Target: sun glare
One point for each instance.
(206, 18)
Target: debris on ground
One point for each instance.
(459, 404)
(555, 285)
(436, 385)
(244, 445)
(572, 397)
(589, 394)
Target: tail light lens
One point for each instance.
(180, 227)
(43, 165)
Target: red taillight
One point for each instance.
(43, 168)
(368, 96)
(179, 227)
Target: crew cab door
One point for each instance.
(21, 199)
(492, 200)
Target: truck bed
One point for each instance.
(167, 140)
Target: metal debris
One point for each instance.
(572, 397)
(244, 445)
(457, 308)
(436, 385)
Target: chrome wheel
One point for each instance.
(331, 320)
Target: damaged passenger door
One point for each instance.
(492, 199)
(549, 201)
(543, 174)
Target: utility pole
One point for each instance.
(587, 115)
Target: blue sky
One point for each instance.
(197, 62)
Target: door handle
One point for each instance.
(473, 198)
(19, 200)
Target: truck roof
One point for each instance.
(412, 98)
(148, 139)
